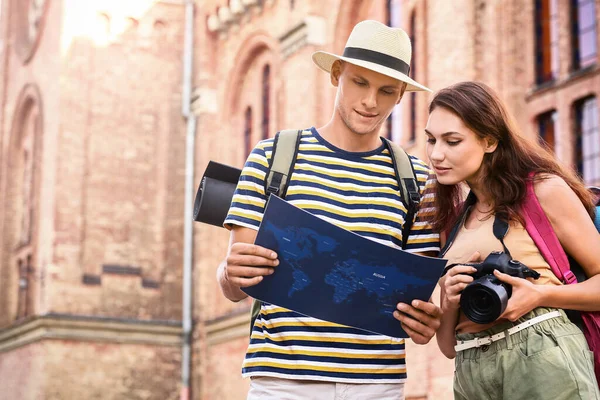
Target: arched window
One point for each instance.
(102, 29)
(131, 23)
(583, 33)
(546, 40)
(25, 165)
(266, 90)
(587, 140)
(248, 131)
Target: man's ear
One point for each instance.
(336, 71)
(402, 91)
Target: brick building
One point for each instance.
(92, 162)
(91, 190)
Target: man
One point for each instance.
(343, 174)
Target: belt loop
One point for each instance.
(509, 344)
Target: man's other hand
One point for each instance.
(420, 320)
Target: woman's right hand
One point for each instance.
(456, 280)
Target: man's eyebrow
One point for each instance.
(443, 134)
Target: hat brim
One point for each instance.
(325, 60)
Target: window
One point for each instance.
(413, 96)
(583, 33)
(388, 127)
(23, 196)
(547, 128)
(546, 40)
(388, 12)
(266, 87)
(587, 140)
(248, 131)
(392, 18)
(389, 122)
(26, 195)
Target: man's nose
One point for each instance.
(370, 99)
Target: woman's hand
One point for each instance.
(525, 296)
(456, 280)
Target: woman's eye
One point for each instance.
(431, 141)
(453, 143)
(359, 83)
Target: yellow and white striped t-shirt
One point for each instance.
(358, 192)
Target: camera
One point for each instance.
(485, 299)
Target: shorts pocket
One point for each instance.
(588, 356)
(537, 344)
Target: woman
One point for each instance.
(472, 142)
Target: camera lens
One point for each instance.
(484, 300)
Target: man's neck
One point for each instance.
(339, 135)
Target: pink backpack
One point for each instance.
(539, 228)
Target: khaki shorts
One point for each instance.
(549, 360)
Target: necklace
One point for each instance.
(486, 214)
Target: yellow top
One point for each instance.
(482, 239)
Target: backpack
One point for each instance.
(564, 267)
(281, 166)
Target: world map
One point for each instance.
(335, 275)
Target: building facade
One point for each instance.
(93, 152)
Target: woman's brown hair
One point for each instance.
(506, 170)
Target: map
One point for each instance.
(335, 275)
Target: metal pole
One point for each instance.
(188, 54)
(187, 262)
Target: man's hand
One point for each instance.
(420, 320)
(246, 264)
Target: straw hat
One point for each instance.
(377, 47)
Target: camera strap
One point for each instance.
(500, 229)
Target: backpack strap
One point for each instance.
(283, 158)
(596, 192)
(407, 182)
(539, 228)
(277, 179)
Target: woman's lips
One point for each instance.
(440, 170)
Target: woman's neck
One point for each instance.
(484, 200)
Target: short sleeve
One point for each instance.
(249, 199)
(422, 237)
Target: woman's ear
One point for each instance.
(490, 145)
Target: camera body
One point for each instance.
(485, 299)
(498, 260)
